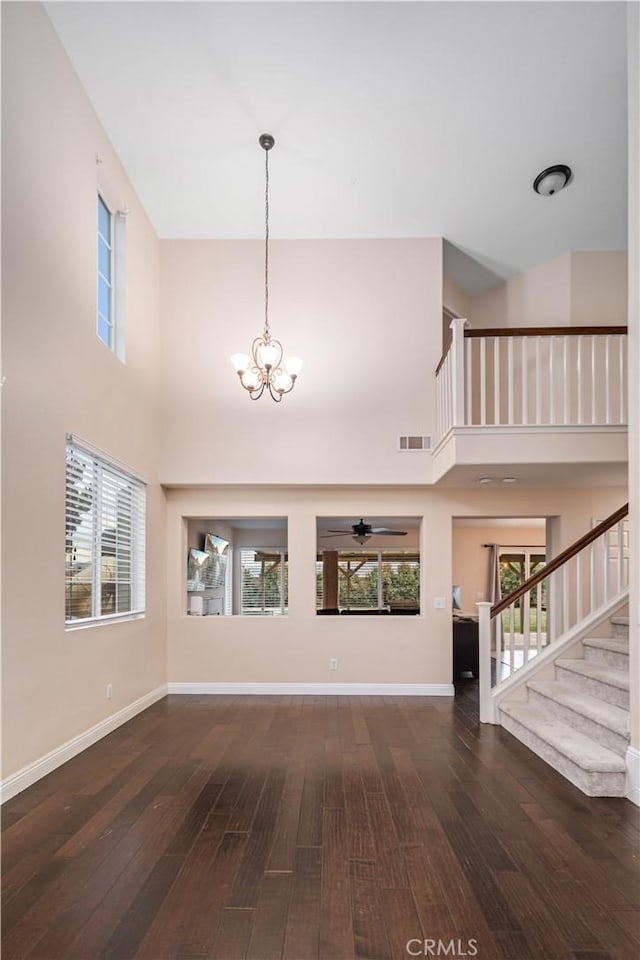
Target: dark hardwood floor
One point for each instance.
(316, 827)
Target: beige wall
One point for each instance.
(634, 374)
(470, 559)
(455, 299)
(297, 648)
(365, 316)
(60, 378)
(579, 288)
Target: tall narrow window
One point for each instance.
(106, 305)
(104, 539)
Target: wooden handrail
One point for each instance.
(562, 558)
(542, 332)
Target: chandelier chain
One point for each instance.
(266, 242)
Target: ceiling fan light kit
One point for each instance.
(263, 370)
(553, 179)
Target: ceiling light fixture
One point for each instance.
(552, 180)
(262, 370)
(485, 480)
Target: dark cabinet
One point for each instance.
(465, 648)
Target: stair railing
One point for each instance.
(532, 377)
(571, 588)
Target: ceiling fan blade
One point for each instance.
(335, 533)
(385, 532)
(347, 532)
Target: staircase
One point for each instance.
(579, 721)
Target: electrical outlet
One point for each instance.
(333, 663)
(109, 691)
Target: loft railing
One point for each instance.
(576, 587)
(532, 376)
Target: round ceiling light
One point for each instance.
(552, 180)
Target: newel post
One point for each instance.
(487, 711)
(457, 369)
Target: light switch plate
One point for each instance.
(439, 603)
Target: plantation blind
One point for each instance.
(105, 524)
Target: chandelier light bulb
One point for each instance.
(293, 365)
(240, 362)
(268, 354)
(250, 380)
(262, 371)
(282, 382)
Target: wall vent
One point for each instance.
(414, 443)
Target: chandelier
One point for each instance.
(264, 369)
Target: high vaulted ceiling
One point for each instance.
(391, 119)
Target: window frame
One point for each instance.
(105, 476)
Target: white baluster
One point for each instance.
(552, 385)
(623, 380)
(565, 598)
(579, 377)
(539, 616)
(565, 381)
(578, 587)
(512, 638)
(538, 383)
(483, 381)
(607, 381)
(594, 412)
(510, 380)
(468, 343)
(607, 560)
(592, 578)
(524, 378)
(496, 380)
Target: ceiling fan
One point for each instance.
(362, 531)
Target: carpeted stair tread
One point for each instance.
(576, 747)
(596, 671)
(572, 697)
(614, 644)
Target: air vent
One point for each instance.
(415, 443)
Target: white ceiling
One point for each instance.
(391, 120)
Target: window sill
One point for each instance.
(72, 625)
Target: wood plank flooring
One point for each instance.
(319, 827)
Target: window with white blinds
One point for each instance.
(263, 582)
(104, 539)
(370, 580)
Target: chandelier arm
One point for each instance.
(255, 394)
(276, 395)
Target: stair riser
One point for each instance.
(621, 631)
(593, 784)
(597, 689)
(597, 655)
(608, 738)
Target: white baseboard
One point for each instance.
(318, 689)
(632, 760)
(28, 775)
